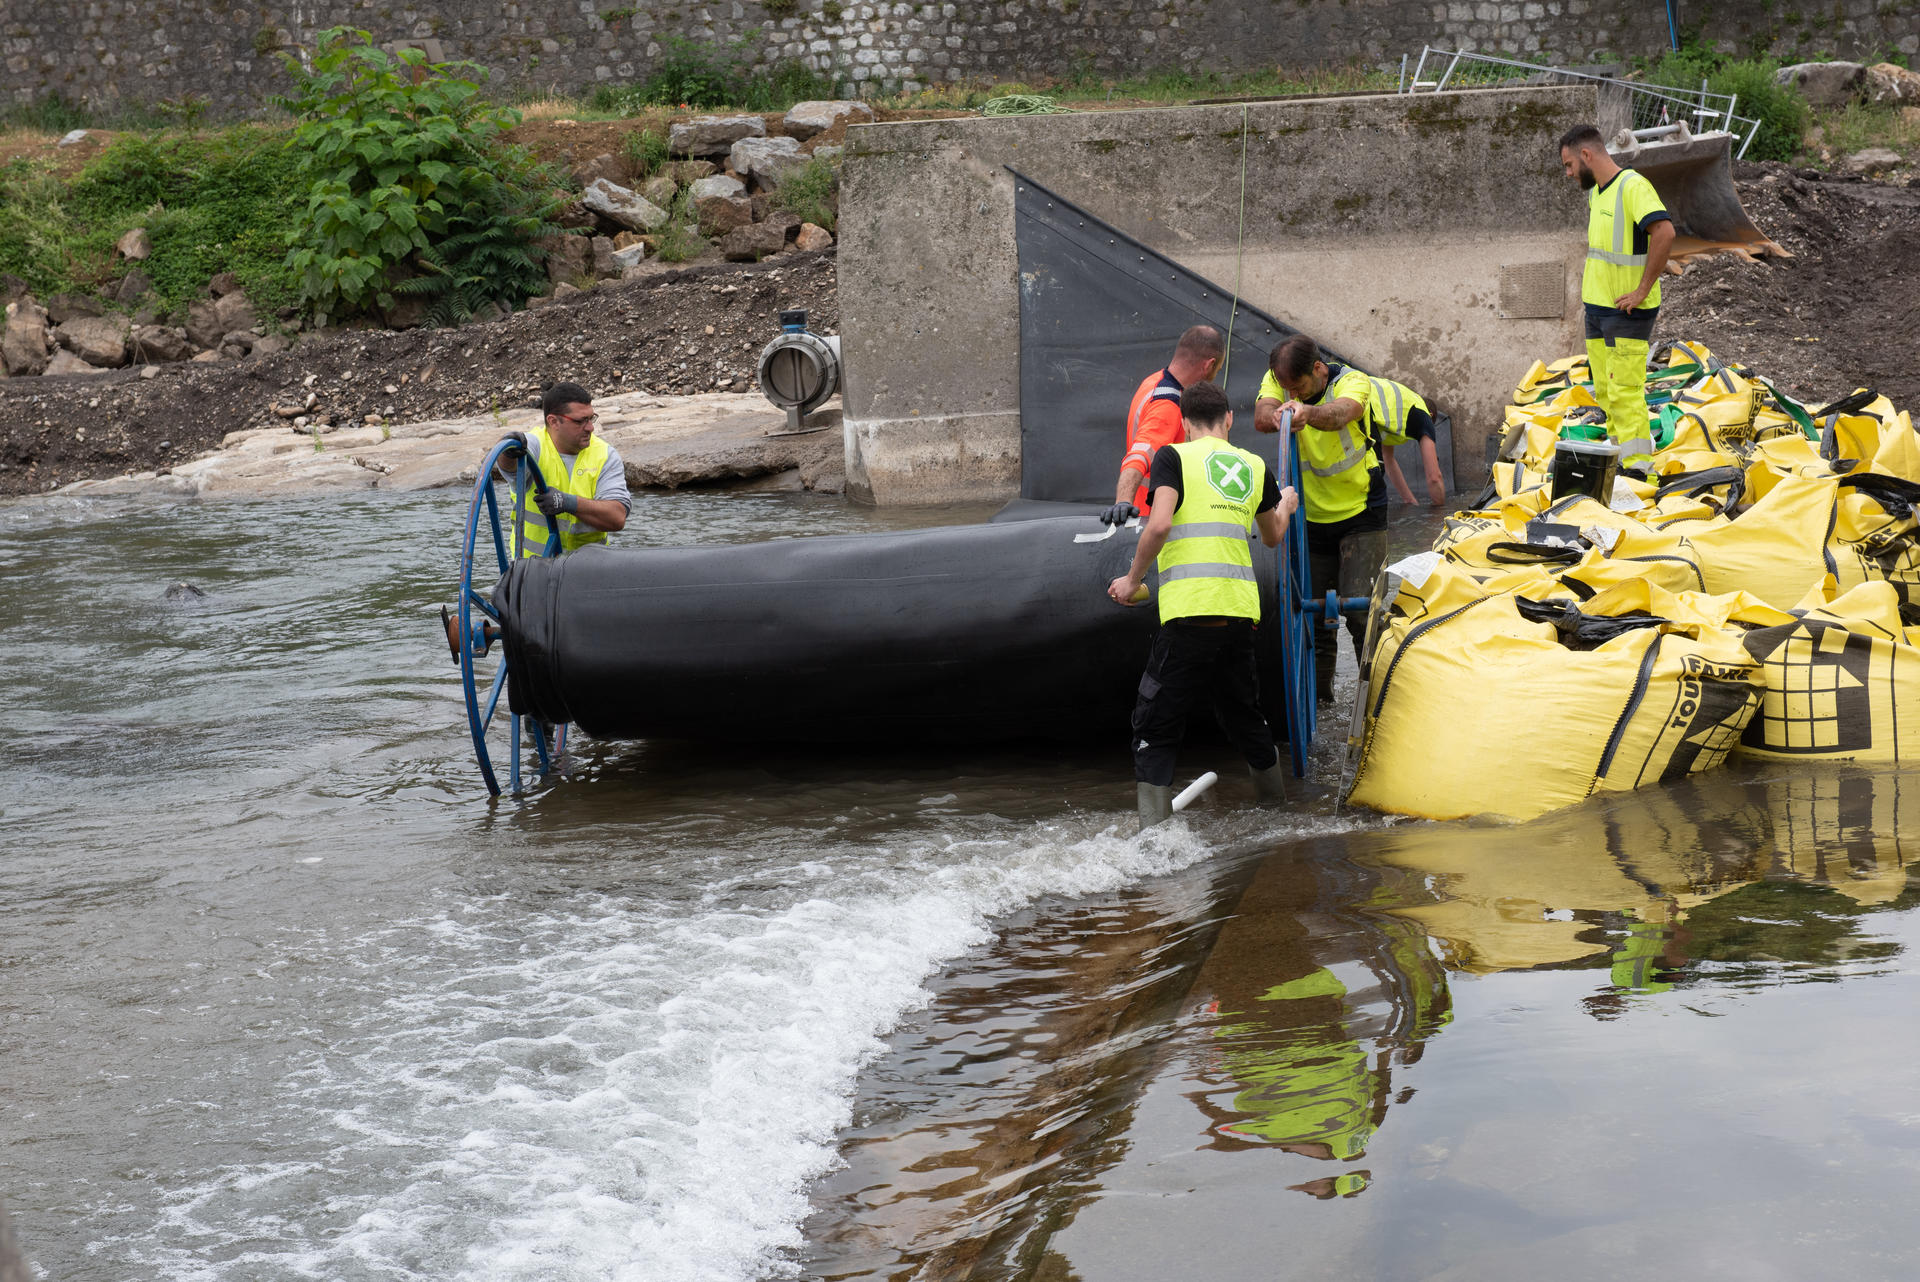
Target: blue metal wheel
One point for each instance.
(479, 623)
(1292, 586)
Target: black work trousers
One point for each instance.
(1348, 563)
(1193, 663)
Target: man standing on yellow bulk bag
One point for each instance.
(1208, 498)
(1628, 235)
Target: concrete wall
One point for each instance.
(1380, 224)
(221, 52)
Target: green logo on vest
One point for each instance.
(1229, 474)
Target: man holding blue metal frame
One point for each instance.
(1345, 486)
(1209, 498)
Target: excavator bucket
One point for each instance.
(1694, 176)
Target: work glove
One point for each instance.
(552, 501)
(1119, 514)
(520, 437)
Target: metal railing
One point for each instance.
(1649, 106)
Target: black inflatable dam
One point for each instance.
(971, 634)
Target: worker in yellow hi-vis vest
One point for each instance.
(1208, 499)
(1629, 233)
(586, 497)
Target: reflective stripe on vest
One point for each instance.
(1206, 567)
(582, 482)
(1351, 452)
(1392, 422)
(1618, 255)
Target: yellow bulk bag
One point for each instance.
(1777, 549)
(1628, 688)
(1525, 531)
(1842, 682)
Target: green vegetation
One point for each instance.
(1860, 125)
(679, 240)
(702, 76)
(810, 192)
(1781, 111)
(645, 151)
(411, 188)
(220, 203)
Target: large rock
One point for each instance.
(717, 185)
(812, 237)
(660, 190)
(805, 119)
(628, 258)
(133, 287)
(1872, 160)
(234, 311)
(568, 258)
(268, 344)
(606, 165)
(222, 284)
(765, 160)
(159, 343)
(691, 171)
(721, 214)
(100, 341)
(203, 323)
(62, 308)
(753, 242)
(620, 206)
(1825, 84)
(25, 344)
(68, 363)
(1889, 83)
(135, 245)
(713, 135)
(603, 254)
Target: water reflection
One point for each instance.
(1315, 996)
(1666, 887)
(1480, 1050)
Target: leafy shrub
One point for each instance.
(221, 203)
(702, 76)
(1780, 109)
(408, 172)
(811, 191)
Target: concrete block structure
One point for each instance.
(1433, 239)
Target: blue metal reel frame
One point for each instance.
(1300, 612)
(476, 611)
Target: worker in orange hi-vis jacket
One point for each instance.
(1153, 418)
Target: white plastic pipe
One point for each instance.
(1194, 791)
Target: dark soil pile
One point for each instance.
(698, 330)
(1840, 314)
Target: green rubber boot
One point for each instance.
(1270, 785)
(1156, 803)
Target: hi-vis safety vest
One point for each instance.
(1613, 269)
(1387, 410)
(582, 482)
(1206, 568)
(1336, 467)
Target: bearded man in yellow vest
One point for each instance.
(1340, 470)
(1629, 233)
(1208, 498)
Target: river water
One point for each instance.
(283, 995)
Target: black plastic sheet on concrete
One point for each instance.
(1099, 311)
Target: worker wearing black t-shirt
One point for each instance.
(1209, 497)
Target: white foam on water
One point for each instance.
(611, 1092)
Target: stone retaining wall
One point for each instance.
(222, 52)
